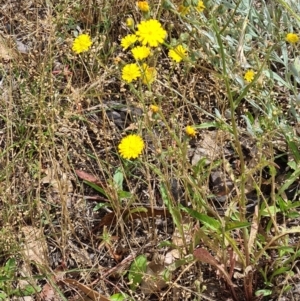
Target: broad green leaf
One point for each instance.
(175, 213)
(28, 290)
(295, 69)
(291, 205)
(271, 210)
(208, 221)
(96, 187)
(138, 209)
(293, 215)
(263, 293)
(206, 125)
(279, 271)
(120, 297)
(10, 267)
(164, 244)
(236, 225)
(124, 194)
(118, 179)
(292, 178)
(101, 205)
(292, 165)
(3, 296)
(137, 270)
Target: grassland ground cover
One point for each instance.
(149, 150)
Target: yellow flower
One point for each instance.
(148, 74)
(183, 10)
(249, 76)
(143, 6)
(151, 32)
(292, 38)
(130, 72)
(200, 7)
(131, 146)
(82, 43)
(190, 131)
(128, 41)
(178, 53)
(140, 52)
(129, 22)
(154, 108)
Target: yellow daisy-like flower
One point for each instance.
(178, 53)
(154, 108)
(148, 74)
(128, 41)
(183, 10)
(82, 43)
(151, 32)
(249, 76)
(143, 6)
(130, 72)
(200, 6)
(131, 146)
(292, 38)
(140, 52)
(190, 131)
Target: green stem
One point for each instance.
(242, 198)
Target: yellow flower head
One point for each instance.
(82, 43)
(151, 32)
(140, 52)
(129, 22)
(200, 6)
(292, 38)
(148, 74)
(249, 76)
(190, 131)
(178, 53)
(154, 108)
(131, 146)
(143, 6)
(130, 72)
(128, 41)
(183, 10)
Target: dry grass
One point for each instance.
(233, 188)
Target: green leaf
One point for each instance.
(96, 187)
(118, 179)
(295, 69)
(279, 271)
(293, 215)
(3, 296)
(175, 213)
(164, 244)
(236, 225)
(294, 148)
(206, 125)
(292, 165)
(10, 267)
(271, 210)
(124, 194)
(137, 270)
(208, 221)
(101, 205)
(263, 293)
(120, 297)
(28, 290)
(293, 177)
(138, 209)
(291, 205)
